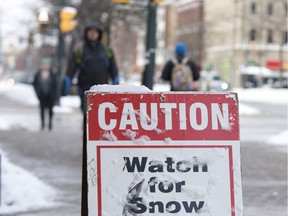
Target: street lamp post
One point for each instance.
(147, 79)
(1, 50)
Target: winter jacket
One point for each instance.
(167, 70)
(96, 64)
(46, 89)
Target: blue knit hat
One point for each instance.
(180, 49)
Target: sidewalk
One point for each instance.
(54, 157)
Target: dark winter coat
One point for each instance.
(46, 89)
(167, 70)
(96, 66)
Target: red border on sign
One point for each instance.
(161, 132)
(230, 155)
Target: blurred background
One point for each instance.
(238, 45)
(242, 43)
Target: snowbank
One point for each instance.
(22, 191)
(120, 88)
(280, 139)
(25, 94)
(263, 95)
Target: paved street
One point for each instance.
(264, 166)
(55, 157)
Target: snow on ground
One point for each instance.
(25, 93)
(279, 139)
(20, 92)
(265, 95)
(19, 188)
(17, 183)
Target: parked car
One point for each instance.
(211, 81)
(253, 76)
(13, 77)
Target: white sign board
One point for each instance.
(163, 154)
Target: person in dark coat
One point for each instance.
(45, 86)
(94, 61)
(181, 56)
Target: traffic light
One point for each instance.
(121, 1)
(43, 21)
(67, 22)
(158, 1)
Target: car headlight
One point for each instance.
(224, 86)
(10, 82)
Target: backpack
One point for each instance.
(182, 76)
(80, 50)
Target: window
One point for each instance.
(270, 36)
(270, 9)
(253, 8)
(252, 35)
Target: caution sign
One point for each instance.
(163, 154)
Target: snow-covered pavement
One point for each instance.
(25, 94)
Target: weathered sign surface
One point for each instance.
(163, 154)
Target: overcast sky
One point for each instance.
(17, 18)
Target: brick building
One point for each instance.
(184, 23)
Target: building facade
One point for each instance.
(243, 32)
(220, 35)
(190, 27)
(184, 23)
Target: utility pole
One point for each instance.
(61, 45)
(60, 53)
(1, 42)
(29, 57)
(147, 79)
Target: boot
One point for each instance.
(50, 125)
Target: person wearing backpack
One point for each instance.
(182, 72)
(94, 61)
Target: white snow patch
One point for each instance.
(265, 95)
(120, 88)
(21, 190)
(280, 139)
(248, 110)
(25, 94)
(19, 92)
(168, 140)
(142, 140)
(130, 134)
(109, 135)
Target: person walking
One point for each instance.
(45, 86)
(94, 61)
(182, 72)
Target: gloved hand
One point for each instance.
(66, 84)
(116, 80)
